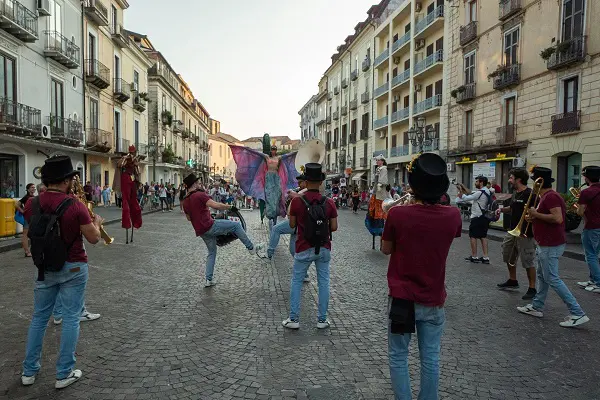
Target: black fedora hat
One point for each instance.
(301, 177)
(427, 176)
(544, 173)
(313, 172)
(58, 168)
(591, 171)
(190, 180)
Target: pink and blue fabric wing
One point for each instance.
(251, 170)
(287, 176)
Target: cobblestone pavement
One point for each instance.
(163, 336)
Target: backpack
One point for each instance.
(48, 249)
(316, 224)
(490, 209)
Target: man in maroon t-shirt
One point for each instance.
(589, 209)
(307, 253)
(196, 208)
(417, 271)
(69, 283)
(549, 233)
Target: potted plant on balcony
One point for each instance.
(497, 72)
(168, 155)
(454, 93)
(547, 53)
(166, 118)
(144, 96)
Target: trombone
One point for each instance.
(576, 192)
(519, 231)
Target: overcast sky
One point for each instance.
(251, 63)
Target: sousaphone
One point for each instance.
(312, 151)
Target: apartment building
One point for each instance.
(524, 79)
(308, 119)
(223, 165)
(41, 107)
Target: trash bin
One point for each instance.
(8, 226)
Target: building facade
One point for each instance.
(308, 119)
(223, 165)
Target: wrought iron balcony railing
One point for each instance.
(19, 119)
(507, 76)
(506, 134)
(62, 49)
(99, 140)
(508, 8)
(119, 36)
(121, 90)
(364, 134)
(344, 110)
(567, 53)
(65, 131)
(366, 64)
(363, 162)
(18, 20)
(468, 33)
(344, 83)
(96, 12)
(336, 115)
(566, 122)
(353, 104)
(465, 142)
(465, 93)
(364, 98)
(354, 75)
(97, 74)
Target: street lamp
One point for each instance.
(214, 172)
(153, 145)
(419, 136)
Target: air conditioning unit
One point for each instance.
(46, 132)
(418, 7)
(134, 87)
(382, 134)
(518, 162)
(43, 7)
(396, 98)
(396, 60)
(417, 87)
(419, 44)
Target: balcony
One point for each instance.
(353, 138)
(383, 152)
(65, 131)
(354, 75)
(508, 8)
(121, 90)
(567, 122)
(434, 18)
(426, 64)
(400, 115)
(465, 143)
(380, 123)
(364, 134)
(61, 49)
(320, 120)
(336, 90)
(399, 44)
(464, 93)
(506, 134)
(122, 145)
(353, 104)
(366, 64)
(382, 57)
(327, 146)
(334, 144)
(19, 119)
(139, 104)
(364, 98)
(381, 90)
(343, 142)
(344, 83)
(98, 140)
(177, 126)
(328, 119)
(97, 74)
(344, 110)
(399, 151)
(433, 146)
(96, 12)
(567, 53)
(507, 76)
(186, 134)
(468, 33)
(401, 78)
(336, 115)
(119, 36)
(18, 20)
(329, 96)
(142, 150)
(428, 104)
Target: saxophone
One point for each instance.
(80, 194)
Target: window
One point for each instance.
(91, 47)
(136, 80)
(117, 129)
(136, 133)
(117, 67)
(469, 124)
(509, 111)
(164, 102)
(220, 151)
(113, 15)
(94, 115)
(8, 81)
(470, 68)
(511, 44)
(570, 94)
(56, 102)
(55, 19)
(471, 11)
(573, 19)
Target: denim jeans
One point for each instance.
(591, 246)
(58, 308)
(430, 325)
(547, 276)
(68, 283)
(302, 261)
(282, 228)
(221, 227)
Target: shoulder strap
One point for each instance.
(306, 203)
(322, 200)
(488, 199)
(35, 205)
(63, 206)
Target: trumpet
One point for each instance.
(80, 194)
(576, 192)
(388, 203)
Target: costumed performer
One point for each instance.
(375, 219)
(127, 181)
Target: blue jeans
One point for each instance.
(282, 228)
(430, 325)
(591, 246)
(302, 261)
(547, 276)
(68, 283)
(58, 308)
(221, 227)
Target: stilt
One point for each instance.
(373, 242)
(126, 236)
(131, 240)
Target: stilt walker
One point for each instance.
(127, 181)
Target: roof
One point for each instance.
(224, 137)
(252, 139)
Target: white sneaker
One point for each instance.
(288, 323)
(88, 316)
(585, 284)
(323, 324)
(209, 283)
(73, 377)
(27, 380)
(253, 251)
(593, 288)
(529, 310)
(574, 320)
(57, 321)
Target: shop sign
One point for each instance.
(481, 157)
(487, 169)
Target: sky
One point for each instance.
(252, 63)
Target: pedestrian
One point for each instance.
(549, 233)
(196, 207)
(173, 195)
(182, 193)
(97, 193)
(416, 274)
(479, 225)
(588, 207)
(355, 200)
(20, 206)
(522, 246)
(106, 194)
(162, 195)
(315, 217)
(169, 196)
(89, 191)
(118, 199)
(69, 281)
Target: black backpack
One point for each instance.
(48, 249)
(316, 224)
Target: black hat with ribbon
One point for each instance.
(427, 176)
(190, 180)
(313, 172)
(57, 169)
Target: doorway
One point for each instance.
(96, 174)
(9, 176)
(568, 172)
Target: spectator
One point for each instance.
(162, 195)
(97, 193)
(479, 223)
(496, 187)
(89, 191)
(20, 206)
(106, 195)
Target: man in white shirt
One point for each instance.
(478, 228)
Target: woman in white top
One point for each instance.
(162, 194)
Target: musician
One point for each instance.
(479, 225)
(549, 233)
(376, 216)
(588, 207)
(416, 273)
(523, 246)
(127, 180)
(196, 207)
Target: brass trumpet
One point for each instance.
(387, 204)
(576, 192)
(80, 194)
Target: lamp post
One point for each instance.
(419, 136)
(156, 148)
(214, 172)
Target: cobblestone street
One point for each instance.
(163, 336)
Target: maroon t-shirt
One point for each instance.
(421, 236)
(73, 218)
(195, 206)
(544, 233)
(298, 210)
(591, 198)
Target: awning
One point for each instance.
(359, 176)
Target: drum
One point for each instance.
(232, 215)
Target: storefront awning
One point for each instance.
(359, 176)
